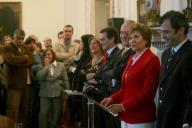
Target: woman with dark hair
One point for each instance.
(74, 102)
(84, 59)
(52, 78)
(86, 55)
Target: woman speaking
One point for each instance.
(135, 100)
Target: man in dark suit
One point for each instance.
(124, 53)
(18, 59)
(175, 86)
(108, 40)
(105, 74)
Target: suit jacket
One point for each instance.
(18, 62)
(105, 73)
(139, 85)
(104, 76)
(120, 65)
(175, 85)
(52, 85)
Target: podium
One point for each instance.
(90, 106)
(6, 122)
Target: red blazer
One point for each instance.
(139, 88)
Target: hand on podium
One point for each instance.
(107, 101)
(116, 108)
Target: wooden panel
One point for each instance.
(6, 122)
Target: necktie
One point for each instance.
(105, 58)
(170, 59)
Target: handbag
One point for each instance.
(92, 90)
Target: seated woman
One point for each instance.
(53, 78)
(86, 68)
(88, 63)
(82, 63)
(97, 60)
(135, 100)
(71, 111)
(90, 85)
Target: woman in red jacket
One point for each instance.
(135, 100)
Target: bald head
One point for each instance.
(126, 28)
(47, 43)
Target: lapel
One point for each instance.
(126, 69)
(128, 53)
(16, 50)
(119, 56)
(110, 60)
(57, 70)
(124, 59)
(113, 54)
(176, 60)
(138, 65)
(143, 58)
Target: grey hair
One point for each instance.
(19, 32)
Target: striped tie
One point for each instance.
(170, 59)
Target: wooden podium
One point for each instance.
(6, 122)
(90, 106)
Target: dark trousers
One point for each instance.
(3, 99)
(34, 108)
(18, 104)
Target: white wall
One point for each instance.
(101, 15)
(75, 14)
(47, 17)
(167, 5)
(124, 8)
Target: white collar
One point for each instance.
(176, 49)
(54, 63)
(137, 56)
(109, 51)
(127, 48)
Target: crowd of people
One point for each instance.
(123, 80)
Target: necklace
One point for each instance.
(97, 60)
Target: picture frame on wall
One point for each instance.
(10, 17)
(149, 12)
